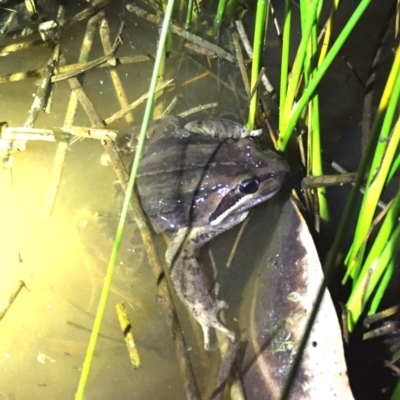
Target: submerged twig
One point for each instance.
(197, 109)
(4, 50)
(395, 358)
(312, 182)
(13, 295)
(87, 105)
(8, 22)
(200, 50)
(382, 330)
(183, 33)
(370, 84)
(135, 104)
(213, 265)
(171, 105)
(194, 79)
(42, 90)
(257, 84)
(92, 133)
(340, 169)
(233, 90)
(126, 328)
(249, 51)
(37, 73)
(86, 13)
(82, 68)
(62, 148)
(380, 315)
(108, 57)
(24, 133)
(237, 241)
(271, 132)
(244, 38)
(106, 42)
(242, 67)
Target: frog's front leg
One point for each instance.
(189, 281)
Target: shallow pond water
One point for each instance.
(62, 259)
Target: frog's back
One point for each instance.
(178, 172)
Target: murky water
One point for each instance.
(62, 260)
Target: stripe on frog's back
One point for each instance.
(197, 178)
(170, 141)
(182, 155)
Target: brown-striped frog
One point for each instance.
(200, 185)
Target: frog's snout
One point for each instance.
(280, 170)
(280, 176)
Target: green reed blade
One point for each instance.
(372, 273)
(384, 155)
(285, 58)
(111, 266)
(294, 80)
(189, 14)
(380, 291)
(315, 139)
(259, 32)
(296, 110)
(396, 392)
(356, 301)
(220, 14)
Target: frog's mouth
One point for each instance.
(237, 200)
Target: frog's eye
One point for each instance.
(249, 186)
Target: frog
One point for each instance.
(198, 185)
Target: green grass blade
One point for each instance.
(383, 159)
(371, 273)
(365, 287)
(349, 208)
(189, 12)
(328, 31)
(259, 31)
(380, 291)
(310, 89)
(314, 132)
(285, 58)
(298, 65)
(219, 15)
(396, 392)
(111, 266)
(315, 148)
(367, 155)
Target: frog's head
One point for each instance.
(264, 173)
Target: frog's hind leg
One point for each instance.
(219, 306)
(213, 322)
(222, 328)
(189, 282)
(218, 326)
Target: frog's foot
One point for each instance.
(218, 326)
(213, 321)
(206, 336)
